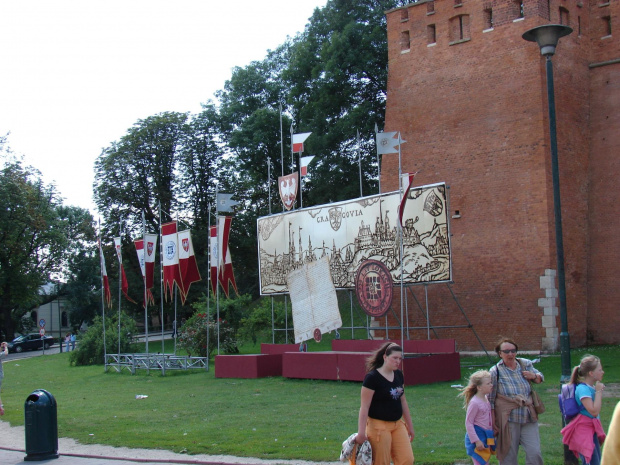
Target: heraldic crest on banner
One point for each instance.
(287, 186)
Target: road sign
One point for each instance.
(42, 323)
(42, 332)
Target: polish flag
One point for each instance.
(172, 272)
(305, 161)
(225, 275)
(187, 261)
(298, 141)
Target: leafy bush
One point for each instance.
(200, 332)
(257, 325)
(90, 351)
(232, 309)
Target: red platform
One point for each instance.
(426, 361)
(248, 366)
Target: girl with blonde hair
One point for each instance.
(479, 438)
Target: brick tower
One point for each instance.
(469, 96)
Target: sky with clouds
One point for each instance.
(77, 74)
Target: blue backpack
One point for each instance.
(568, 403)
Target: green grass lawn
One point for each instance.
(273, 418)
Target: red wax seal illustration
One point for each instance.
(373, 286)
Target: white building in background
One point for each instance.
(53, 313)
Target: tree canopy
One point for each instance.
(39, 236)
(330, 80)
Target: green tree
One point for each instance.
(138, 174)
(38, 236)
(338, 80)
(83, 287)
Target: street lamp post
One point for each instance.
(547, 38)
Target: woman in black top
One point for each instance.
(384, 417)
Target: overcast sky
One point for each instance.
(76, 74)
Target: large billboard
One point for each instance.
(353, 231)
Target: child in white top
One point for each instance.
(479, 439)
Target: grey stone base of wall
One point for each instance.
(551, 340)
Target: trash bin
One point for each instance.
(41, 426)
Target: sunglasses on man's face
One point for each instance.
(509, 351)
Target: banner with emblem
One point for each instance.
(225, 274)
(139, 243)
(187, 261)
(354, 231)
(287, 185)
(170, 258)
(149, 258)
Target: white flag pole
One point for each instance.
(101, 263)
(281, 142)
(301, 183)
(359, 161)
(217, 288)
(120, 283)
(269, 181)
(209, 274)
(378, 162)
(402, 249)
(292, 153)
(144, 251)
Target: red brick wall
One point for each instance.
(474, 114)
(604, 197)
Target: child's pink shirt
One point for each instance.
(478, 413)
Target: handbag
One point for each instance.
(537, 401)
(539, 406)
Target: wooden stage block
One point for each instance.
(310, 365)
(352, 366)
(434, 368)
(425, 362)
(248, 366)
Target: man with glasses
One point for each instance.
(515, 421)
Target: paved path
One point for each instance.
(12, 452)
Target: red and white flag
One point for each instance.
(124, 283)
(225, 274)
(403, 201)
(140, 251)
(287, 185)
(213, 257)
(107, 295)
(172, 271)
(298, 141)
(187, 261)
(149, 258)
(304, 162)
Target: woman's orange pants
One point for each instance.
(389, 441)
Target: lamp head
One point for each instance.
(547, 37)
